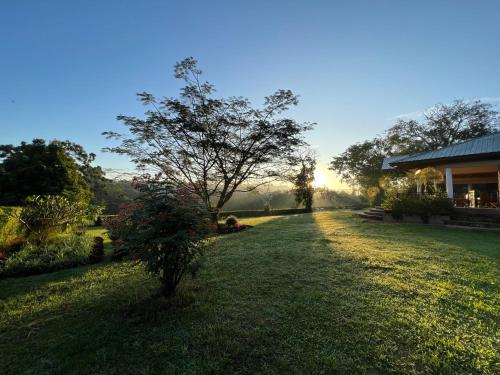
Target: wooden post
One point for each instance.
(498, 189)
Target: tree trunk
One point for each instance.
(167, 289)
(214, 216)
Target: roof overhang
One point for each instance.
(405, 166)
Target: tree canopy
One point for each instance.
(213, 147)
(443, 125)
(41, 168)
(361, 164)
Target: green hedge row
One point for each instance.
(259, 213)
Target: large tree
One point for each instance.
(361, 164)
(211, 146)
(442, 126)
(40, 168)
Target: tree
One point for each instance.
(94, 176)
(444, 125)
(40, 168)
(213, 147)
(165, 229)
(303, 182)
(361, 163)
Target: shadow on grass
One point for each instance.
(480, 242)
(285, 296)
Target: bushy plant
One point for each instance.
(49, 215)
(61, 252)
(97, 252)
(165, 229)
(231, 221)
(423, 206)
(10, 227)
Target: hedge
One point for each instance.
(423, 206)
(258, 213)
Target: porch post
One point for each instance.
(449, 182)
(498, 189)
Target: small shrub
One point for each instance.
(98, 222)
(61, 252)
(423, 206)
(225, 229)
(231, 221)
(97, 252)
(166, 230)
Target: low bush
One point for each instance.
(231, 221)
(97, 252)
(49, 215)
(61, 252)
(423, 206)
(165, 229)
(225, 229)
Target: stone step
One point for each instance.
(369, 216)
(479, 218)
(474, 224)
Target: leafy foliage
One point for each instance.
(303, 182)
(10, 226)
(61, 252)
(210, 146)
(424, 205)
(46, 216)
(443, 125)
(39, 168)
(165, 230)
(361, 163)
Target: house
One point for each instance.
(471, 170)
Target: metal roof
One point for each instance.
(489, 144)
(386, 165)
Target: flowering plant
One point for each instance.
(165, 228)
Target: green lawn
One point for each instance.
(320, 293)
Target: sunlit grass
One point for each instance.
(317, 293)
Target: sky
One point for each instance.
(68, 68)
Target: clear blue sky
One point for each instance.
(67, 68)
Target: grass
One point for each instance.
(311, 293)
